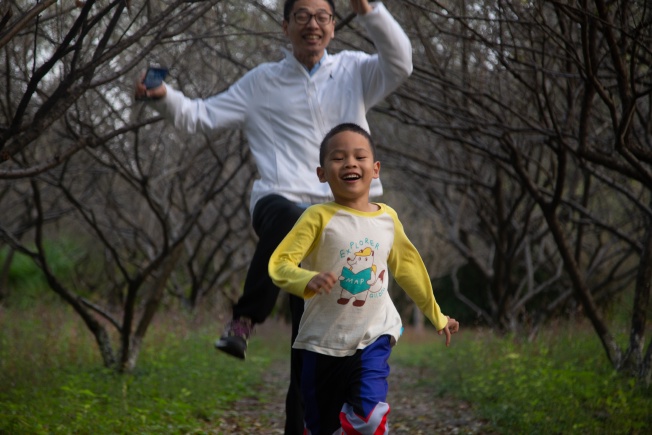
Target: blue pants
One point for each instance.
(347, 394)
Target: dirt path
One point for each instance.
(414, 410)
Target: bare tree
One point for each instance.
(523, 136)
(152, 209)
(138, 198)
(540, 113)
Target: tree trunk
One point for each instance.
(582, 291)
(4, 274)
(130, 356)
(418, 319)
(633, 359)
(645, 375)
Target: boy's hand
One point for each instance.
(323, 282)
(451, 328)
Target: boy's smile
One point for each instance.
(348, 168)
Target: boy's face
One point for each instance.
(349, 167)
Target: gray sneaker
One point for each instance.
(234, 339)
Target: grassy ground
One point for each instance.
(560, 384)
(52, 382)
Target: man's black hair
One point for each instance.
(289, 4)
(355, 128)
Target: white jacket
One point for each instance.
(285, 112)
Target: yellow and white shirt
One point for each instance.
(362, 249)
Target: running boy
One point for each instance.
(346, 249)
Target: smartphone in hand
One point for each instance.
(154, 77)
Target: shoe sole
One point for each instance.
(224, 347)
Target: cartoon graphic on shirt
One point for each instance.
(360, 279)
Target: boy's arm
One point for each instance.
(284, 264)
(411, 274)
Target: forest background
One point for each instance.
(517, 155)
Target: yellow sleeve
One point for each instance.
(409, 271)
(284, 264)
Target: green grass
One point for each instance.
(52, 380)
(560, 384)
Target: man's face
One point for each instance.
(309, 40)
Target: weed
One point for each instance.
(52, 380)
(558, 384)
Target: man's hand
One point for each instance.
(323, 282)
(142, 93)
(361, 7)
(451, 328)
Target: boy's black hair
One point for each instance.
(348, 126)
(289, 4)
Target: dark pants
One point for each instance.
(273, 217)
(348, 392)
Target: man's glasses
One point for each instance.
(303, 17)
